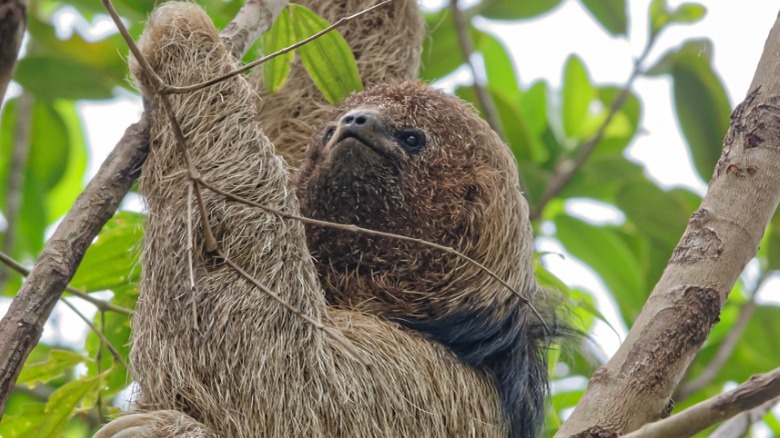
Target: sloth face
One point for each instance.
(408, 160)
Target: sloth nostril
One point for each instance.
(360, 120)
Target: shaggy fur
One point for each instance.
(387, 44)
(451, 352)
(460, 190)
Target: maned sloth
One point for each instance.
(438, 347)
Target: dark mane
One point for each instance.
(512, 345)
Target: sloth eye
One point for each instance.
(411, 139)
(328, 134)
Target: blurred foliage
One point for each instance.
(70, 391)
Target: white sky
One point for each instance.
(737, 28)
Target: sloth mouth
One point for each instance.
(356, 138)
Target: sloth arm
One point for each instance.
(223, 358)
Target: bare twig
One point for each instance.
(467, 49)
(725, 349)
(356, 229)
(565, 170)
(739, 425)
(333, 334)
(21, 327)
(755, 392)
(100, 304)
(342, 21)
(13, 20)
(16, 171)
(190, 250)
(98, 333)
(253, 20)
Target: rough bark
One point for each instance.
(21, 327)
(13, 20)
(700, 416)
(634, 387)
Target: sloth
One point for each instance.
(377, 336)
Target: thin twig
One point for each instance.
(16, 172)
(334, 334)
(725, 350)
(755, 392)
(566, 169)
(139, 57)
(190, 250)
(100, 304)
(739, 425)
(357, 229)
(97, 332)
(168, 89)
(467, 49)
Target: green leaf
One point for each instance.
(26, 423)
(533, 103)
(56, 365)
(280, 36)
(661, 16)
(48, 157)
(516, 10)
(100, 56)
(655, 212)
(328, 59)
(63, 404)
(112, 260)
(688, 13)
(603, 177)
(116, 329)
(52, 77)
(578, 93)
(607, 254)
(623, 128)
(441, 50)
(61, 197)
(609, 13)
(703, 110)
(499, 67)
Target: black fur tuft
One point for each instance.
(512, 344)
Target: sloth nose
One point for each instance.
(359, 120)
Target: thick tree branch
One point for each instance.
(634, 387)
(13, 20)
(253, 20)
(755, 392)
(21, 327)
(722, 356)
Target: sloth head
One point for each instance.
(411, 160)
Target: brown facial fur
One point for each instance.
(460, 190)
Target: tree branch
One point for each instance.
(634, 387)
(21, 327)
(467, 49)
(755, 392)
(253, 20)
(739, 425)
(13, 20)
(565, 170)
(101, 305)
